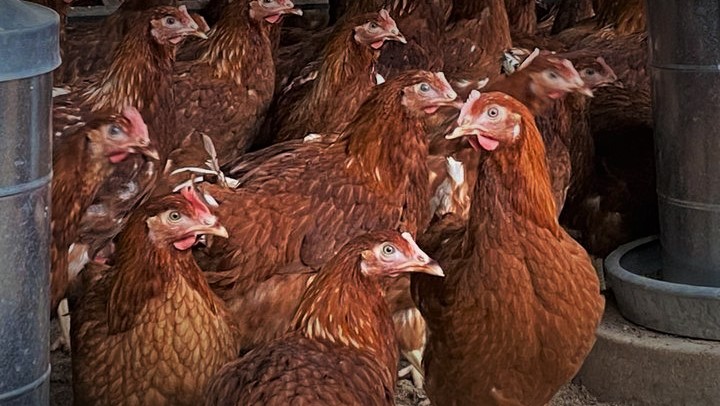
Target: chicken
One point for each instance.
(517, 313)
(341, 350)
(60, 7)
(214, 9)
(408, 325)
(149, 330)
(565, 128)
(612, 18)
(550, 77)
(226, 92)
(144, 61)
(82, 161)
(89, 46)
(326, 98)
(309, 200)
(625, 16)
(622, 205)
(568, 124)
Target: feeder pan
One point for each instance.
(634, 271)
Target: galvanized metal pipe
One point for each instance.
(685, 63)
(28, 52)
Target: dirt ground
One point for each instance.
(406, 394)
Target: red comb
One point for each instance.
(186, 16)
(474, 95)
(197, 204)
(139, 129)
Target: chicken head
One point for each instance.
(123, 135)
(170, 25)
(487, 121)
(376, 31)
(180, 222)
(272, 10)
(396, 255)
(553, 76)
(596, 73)
(431, 92)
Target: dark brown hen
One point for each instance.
(226, 92)
(149, 330)
(82, 162)
(308, 201)
(342, 350)
(327, 95)
(565, 128)
(90, 45)
(516, 315)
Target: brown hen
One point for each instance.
(341, 350)
(226, 92)
(149, 330)
(325, 98)
(516, 315)
(90, 45)
(82, 162)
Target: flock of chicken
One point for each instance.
(236, 203)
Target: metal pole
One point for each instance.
(28, 53)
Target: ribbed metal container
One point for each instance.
(28, 53)
(685, 61)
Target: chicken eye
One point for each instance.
(373, 25)
(388, 249)
(424, 87)
(552, 75)
(115, 131)
(590, 71)
(169, 20)
(174, 216)
(493, 112)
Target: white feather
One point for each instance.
(59, 91)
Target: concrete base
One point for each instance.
(635, 366)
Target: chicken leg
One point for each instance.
(63, 313)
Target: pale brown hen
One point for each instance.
(149, 330)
